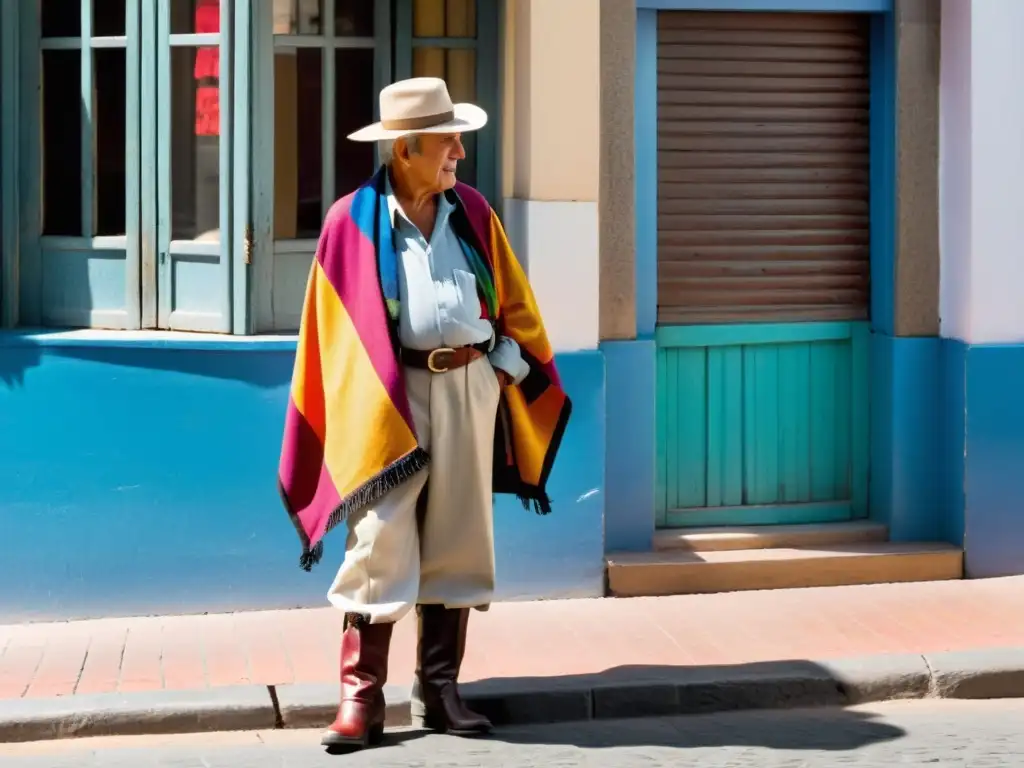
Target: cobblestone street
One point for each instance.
(940, 733)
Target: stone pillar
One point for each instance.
(552, 157)
(906, 353)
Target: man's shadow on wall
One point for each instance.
(18, 354)
(271, 368)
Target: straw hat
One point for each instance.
(420, 105)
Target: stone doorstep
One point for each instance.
(677, 571)
(618, 693)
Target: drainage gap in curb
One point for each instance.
(933, 681)
(278, 717)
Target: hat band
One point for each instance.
(415, 123)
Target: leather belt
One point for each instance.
(440, 360)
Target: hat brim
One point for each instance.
(468, 117)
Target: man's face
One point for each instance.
(433, 167)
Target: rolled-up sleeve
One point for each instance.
(507, 356)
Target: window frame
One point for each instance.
(120, 274)
(161, 286)
(488, 85)
(328, 44)
(278, 263)
(248, 247)
(33, 244)
(9, 166)
(268, 253)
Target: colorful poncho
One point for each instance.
(349, 436)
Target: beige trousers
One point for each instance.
(395, 558)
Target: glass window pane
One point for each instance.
(354, 98)
(460, 18)
(457, 67)
(428, 18)
(195, 144)
(108, 18)
(60, 18)
(62, 143)
(353, 18)
(298, 142)
(109, 116)
(194, 16)
(298, 17)
(444, 18)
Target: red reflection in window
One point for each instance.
(207, 71)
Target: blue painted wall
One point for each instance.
(629, 445)
(948, 447)
(140, 478)
(953, 418)
(907, 439)
(993, 456)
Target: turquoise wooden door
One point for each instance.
(762, 424)
(763, 268)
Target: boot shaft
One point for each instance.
(364, 670)
(436, 703)
(364, 655)
(442, 642)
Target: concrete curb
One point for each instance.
(247, 707)
(622, 692)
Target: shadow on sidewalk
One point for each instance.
(795, 705)
(822, 729)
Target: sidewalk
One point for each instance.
(557, 639)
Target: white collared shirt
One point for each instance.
(440, 306)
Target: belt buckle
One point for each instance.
(432, 366)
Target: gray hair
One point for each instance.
(386, 147)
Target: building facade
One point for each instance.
(768, 304)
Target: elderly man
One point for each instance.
(424, 383)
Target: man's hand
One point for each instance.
(503, 378)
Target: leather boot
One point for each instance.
(364, 669)
(436, 703)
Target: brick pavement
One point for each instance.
(518, 639)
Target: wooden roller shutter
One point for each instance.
(762, 167)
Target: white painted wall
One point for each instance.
(982, 171)
(557, 243)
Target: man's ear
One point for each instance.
(401, 150)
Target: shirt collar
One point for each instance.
(444, 206)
